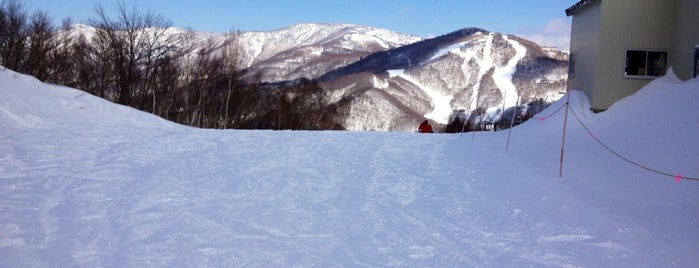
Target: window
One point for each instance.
(695, 73)
(645, 63)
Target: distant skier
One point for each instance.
(425, 127)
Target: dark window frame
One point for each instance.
(695, 67)
(645, 63)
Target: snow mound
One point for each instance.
(29, 103)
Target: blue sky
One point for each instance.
(543, 21)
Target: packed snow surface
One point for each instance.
(87, 183)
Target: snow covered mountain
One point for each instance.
(464, 70)
(311, 49)
(389, 81)
(301, 50)
(88, 183)
(308, 49)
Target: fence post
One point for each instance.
(563, 142)
(512, 124)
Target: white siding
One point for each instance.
(686, 37)
(601, 34)
(585, 45)
(629, 24)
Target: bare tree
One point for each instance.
(133, 45)
(231, 63)
(41, 42)
(13, 34)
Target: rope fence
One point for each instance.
(677, 177)
(542, 118)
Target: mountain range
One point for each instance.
(388, 81)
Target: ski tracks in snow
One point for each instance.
(196, 198)
(404, 194)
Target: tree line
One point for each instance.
(137, 59)
(460, 121)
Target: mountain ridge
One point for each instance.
(396, 79)
(314, 48)
(374, 61)
(465, 70)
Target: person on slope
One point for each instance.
(425, 127)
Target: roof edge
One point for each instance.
(578, 6)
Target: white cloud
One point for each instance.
(558, 26)
(556, 33)
(404, 9)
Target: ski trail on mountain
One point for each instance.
(503, 75)
(441, 104)
(485, 63)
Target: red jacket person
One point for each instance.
(425, 127)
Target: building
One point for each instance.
(618, 46)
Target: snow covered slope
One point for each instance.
(87, 183)
(262, 46)
(26, 102)
(311, 49)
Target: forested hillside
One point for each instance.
(130, 59)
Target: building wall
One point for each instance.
(584, 48)
(686, 37)
(629, 24)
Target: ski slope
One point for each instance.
(502, 76)
(87, 183)
(441, 104)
